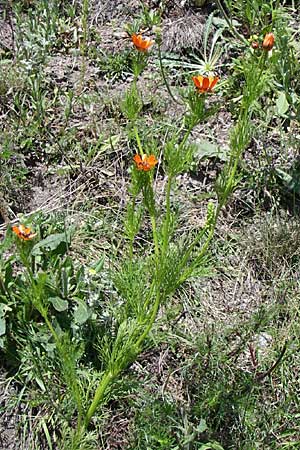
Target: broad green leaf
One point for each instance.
(211, 446)
(290, 181)
(286, 177)
(40, 383)
(202, 426)
(3, 309)
(81, 313)
(206, 149)
(51, 242)
(222, 22)
(2, 326)
(59, 304)
(108, 144)
(282, 104)
(98, 266)
(47, 434)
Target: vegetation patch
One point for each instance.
(149, 202)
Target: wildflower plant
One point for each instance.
(44, 290)
(142, 45)
(147, 279)
(148, 274)
(207, 58)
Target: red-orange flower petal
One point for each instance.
(138, 161)
(198, 81)
(212, 82)
(268, 42)
(140, 43)
(205, 84)
(24, 233)
(144, 162)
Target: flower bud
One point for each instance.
(268, 42)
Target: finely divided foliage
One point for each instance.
(149, 299)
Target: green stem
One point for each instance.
(155, 236)
(49, 325)
(106, 380)
(168, 196)
(131, 250)
(137, 137)
(168, 215)
(23, 252)
(234, 163)
(150, 292)
(228, 187)
(165, 78)
(230, 24)
(262, 63)
(196, 241)
(3, 287)
(132, 236)
(111, 375)
(84, 18)
(151, 319)
(186, 136)
(74, 388)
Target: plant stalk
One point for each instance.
(106, 380)
(165, 78)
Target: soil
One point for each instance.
(9, 416)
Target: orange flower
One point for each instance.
(140, 43)
(205, 84)
(268, 42)
(24, 233)
(145, 162)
